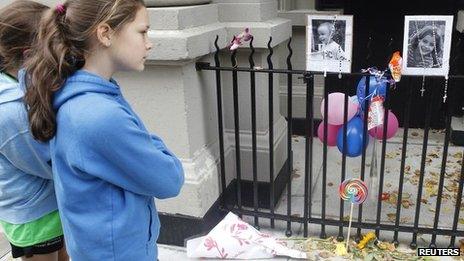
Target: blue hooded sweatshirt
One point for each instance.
(107, 169)
(26, 186)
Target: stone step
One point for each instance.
(182, 17)
(247, 11)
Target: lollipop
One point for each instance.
(353, 190)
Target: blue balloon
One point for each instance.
(379, 87)
(354, 137)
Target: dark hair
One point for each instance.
(65, 35)
(428, 30)
(18, 29)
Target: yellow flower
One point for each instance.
(366, 239)
(340, 249)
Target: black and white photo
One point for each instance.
(426, 45)
(329, 43)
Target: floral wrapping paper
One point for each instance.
(233, 238)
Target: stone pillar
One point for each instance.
(261, 17)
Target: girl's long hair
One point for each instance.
(65, 37)
(18, 29)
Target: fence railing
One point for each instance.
(346, 81)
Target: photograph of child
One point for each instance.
(329, 43)
(426, 45)
(328, 40)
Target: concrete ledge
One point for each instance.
(298, 17)
(188, 44)
(252, 12)
(280, 30)
(183, 17)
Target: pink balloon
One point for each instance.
(392, 128)
(332, 131)
(336, 108)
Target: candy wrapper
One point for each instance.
(376, 113)
(395, 65)
(234, 239)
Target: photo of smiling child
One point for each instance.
(328, 41)
(427, 44)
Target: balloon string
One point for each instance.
(370, 96)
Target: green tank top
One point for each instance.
(34, 232)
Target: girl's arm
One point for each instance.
(114, 148)
(28, 155)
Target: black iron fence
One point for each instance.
(345, 81)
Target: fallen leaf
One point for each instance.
(404, 220)
(340, 249)
(407, 168)
(385, 196)
(391, 217)
(406, 203)
(324, 254)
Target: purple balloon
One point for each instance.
(332, 131)
(392, 128)
(336, 108)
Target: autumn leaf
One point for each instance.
(391, 217)
(457, 155)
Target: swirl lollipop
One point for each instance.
(354, 190)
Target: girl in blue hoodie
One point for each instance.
(107, 167)
(28, 209)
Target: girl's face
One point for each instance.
(324, 34)
(131, 44)
(426, 44)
